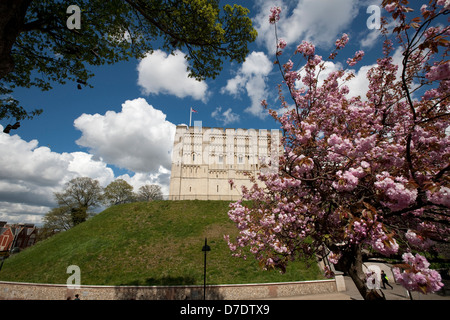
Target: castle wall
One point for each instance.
(204, 161)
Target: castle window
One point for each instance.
(217, 188)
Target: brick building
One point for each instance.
(16, 235)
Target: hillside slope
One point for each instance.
(156, 243)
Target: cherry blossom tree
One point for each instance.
(359, 174)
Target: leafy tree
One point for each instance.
(56, 220)
(37, 48)
(360, 173)
(79, 196)
(117, 192)
(150, 192)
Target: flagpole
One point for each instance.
(190, 116)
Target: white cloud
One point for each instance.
(359, 84)
(318, 21)
(167, 74)
(139, 138)
(225, 117)
(161, 178)
(251, 78)
(31, 174)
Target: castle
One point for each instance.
(205, 160)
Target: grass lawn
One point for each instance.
(156, 243)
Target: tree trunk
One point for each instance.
(351, 261)
(12, 13)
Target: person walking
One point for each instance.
(385, 280)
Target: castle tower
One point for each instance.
(204, 160)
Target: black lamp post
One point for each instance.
(205, 249)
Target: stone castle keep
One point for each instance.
(204, 160)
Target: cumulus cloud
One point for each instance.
(359, 84)
(318, 21)
(251, 79)
(161, 178)
(31, 174)
(160, 72)
(139, 138)
(225, 117)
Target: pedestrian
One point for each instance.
(385, 280)
(77, 297)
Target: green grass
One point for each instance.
(157, 243)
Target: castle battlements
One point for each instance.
(205, 159)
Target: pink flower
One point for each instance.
(306, 48)
(357, 57)
(430, 94)
(444, 3)
(418, 241)
(439, 72)
(347, 180)
(423, 8)
(334, 258)
(441, 196)
(282, 44)
(399, 197)
(417, 277)
(390, 7)
(342, 41)
(274, 15)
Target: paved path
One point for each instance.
(351, 293)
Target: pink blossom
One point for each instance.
(399, 197)
(418, 241)
(334, 258)
(417, 277)
(282, 44)
(306, 48)
(423, 8)
(328, 273)
(431, 94)
(340, 43)
(441, 196)
(274, 15)
(348, 180)
(381, 242)
(357, 171)
(444, 3)
(439, 72)
(365, 164)
(357, 57)
(390, 7)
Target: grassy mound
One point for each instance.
(156, 243)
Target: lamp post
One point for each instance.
(205, 249)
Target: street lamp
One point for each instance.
(205, 249)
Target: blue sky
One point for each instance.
(124, 126)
